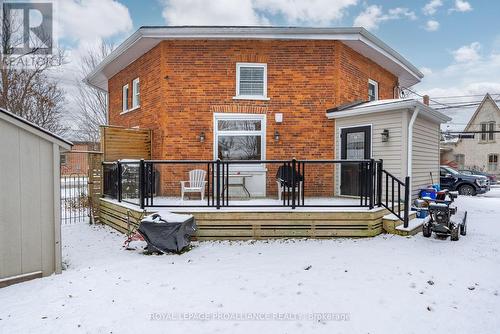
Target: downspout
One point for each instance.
(410, 145)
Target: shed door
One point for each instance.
(355, 145)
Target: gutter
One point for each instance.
(410, 146)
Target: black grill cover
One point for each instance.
(284, 175)
(164, 236)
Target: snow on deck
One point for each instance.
(385, 284)
(175, 204)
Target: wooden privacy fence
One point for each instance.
(122, 143)
(95, 183)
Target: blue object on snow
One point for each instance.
(422, 213)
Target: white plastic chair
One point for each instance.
(196, 183)
(282, 188)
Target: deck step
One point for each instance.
(414, 227)
(391, 221)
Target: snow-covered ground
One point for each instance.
(387, 284)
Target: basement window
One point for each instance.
(125, 98)
(251, 81)
(372, 90)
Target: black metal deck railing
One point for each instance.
(143, 182)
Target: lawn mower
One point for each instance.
(440, 212)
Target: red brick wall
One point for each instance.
(77, 160)
(184, 82)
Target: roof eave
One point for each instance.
(31, 127)
(411, 76)
(395, 106)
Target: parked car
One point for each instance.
(469, 185)
(491, 177)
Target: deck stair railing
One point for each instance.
(137, 181)
(397, 194)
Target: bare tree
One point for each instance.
(92, 103)
(26, 87)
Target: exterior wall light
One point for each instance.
(385, 135)
(276, 136)
(202, 137)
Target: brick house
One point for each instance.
(262, 93)
(75, 161)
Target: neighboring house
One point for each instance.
(75, 162)
(30, 227)
(483, 151)
(258, 93)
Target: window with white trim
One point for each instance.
(125, 98)
(240, 137)
(493, 162)
(63, 159)
(251, 81)
(372, 90)
(488, 131)
(136, 97)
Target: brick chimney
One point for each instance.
(426, 100)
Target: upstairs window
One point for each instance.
(493, 162)
(372, 90)
(125, 98)
(488, 131)
(251, 81)
(136, 100)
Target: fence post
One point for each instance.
(294, 164)
(218, 183)
(119, 178)
(379, 182)
(407, 200)
(372, 181)
(142, 183)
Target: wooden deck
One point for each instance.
(244, 224)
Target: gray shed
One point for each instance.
(404, 133)
(30, 228)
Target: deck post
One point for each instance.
(371, 182)
(142, 183)
(119, 179)
(407, 201)
(218, 183)
(294, 165)
(379, 182)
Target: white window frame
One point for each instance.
(125, 90)
(490, 164)
(375, 84)
(230, 116)
(136, 93)
(488, 134)
(250, 97)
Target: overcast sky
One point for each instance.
(455, 43)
